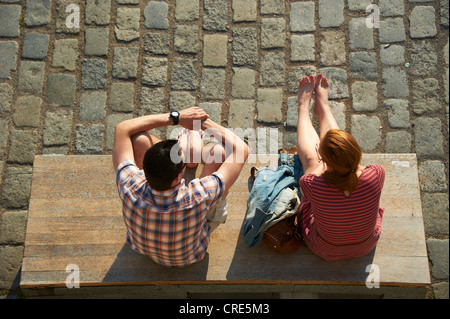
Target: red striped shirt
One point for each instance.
(338, 227)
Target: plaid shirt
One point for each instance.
(168, 226)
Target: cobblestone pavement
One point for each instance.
(64, 86)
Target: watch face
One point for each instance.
(174, 114)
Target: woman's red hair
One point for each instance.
(342, 154)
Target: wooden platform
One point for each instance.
(75, 218)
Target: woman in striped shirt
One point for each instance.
(340, 216)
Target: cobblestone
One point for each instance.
(37, 13)
(398, 142)
(212, 85)
(8, 58)
(361, 37)
(398, 113)
(187, 10)
(157, 43)
(31, 77)
(180, 100)
(23, 147)
(395, 83)
(292, 109)
(269, 105)
(241, 114)
(332, 48)
(391, 8)
(35, 46)
(272, 69)
(213, 109)
(92, 106)
(366, 130)
(365, 96)
(12, 227)
(245, 46)
(28, 110)
(62, 16)
(6, 95)
(363, 65)
(331, 13)
(3, 136)
(10, 262)
(338, 111)
(151, 101)
(273, 33)
(432, 176)
(302, 16)
(422, 22)
(57, 128)
(97, 41)
(125, 62)
(89, 139)
(10, 15)
(127, 24)
(338, 82)
(438, 253)
(243, 83)
(425, 96)
(154, 71)
(358, 4)
(66, 54)
(186, 39)
(16, 187)
(156, 15)
(424, 58)
(444, 7)
(216, 15)
(93, 74)
(215, 49)
(61, 89)
(273, 6)
(435, 211)
(98, 12)
(392, 55)
(303, 48)
(244, 10)
(392, 30)
(121, 97)
(184, 74)
(2, 164)
(428, 137)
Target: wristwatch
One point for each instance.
(175, 116)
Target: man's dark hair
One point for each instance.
(162, 164)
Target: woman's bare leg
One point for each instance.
(141, 144)
(307, 138)
(213, 156)
(322, 107)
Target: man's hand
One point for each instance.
(188, 116)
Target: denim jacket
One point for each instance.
(273, 197)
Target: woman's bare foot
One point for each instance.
(322, 89)
(305, 91)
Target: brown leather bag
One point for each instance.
(284, 236)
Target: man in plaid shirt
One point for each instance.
(166, 219)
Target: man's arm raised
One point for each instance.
(236, 149)
(123, 147)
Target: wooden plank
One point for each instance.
(74, 219)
